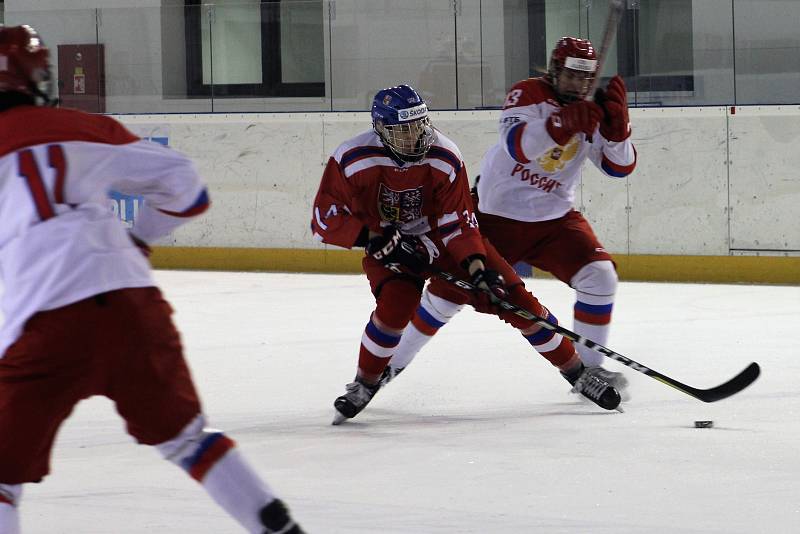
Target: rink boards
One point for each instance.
(715, 196)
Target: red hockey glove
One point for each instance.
(579, 117)
(144, 248)
(615, 125)
(398, 252)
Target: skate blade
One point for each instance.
(338, 418)
(619, 409)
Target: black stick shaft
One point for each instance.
(615, 8)
(732, 386)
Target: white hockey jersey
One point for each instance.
(527, 176)
(59, 241)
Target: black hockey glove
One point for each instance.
(399, 253)
(492, 282)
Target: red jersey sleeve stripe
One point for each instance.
(200, 205)
(617, 170)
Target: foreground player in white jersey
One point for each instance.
(76, 285)
(526, 191)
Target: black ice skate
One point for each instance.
(618, 380)
(588, 382)
(389, 374)
(276, 519)
(356, 399)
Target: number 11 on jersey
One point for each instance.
(29, 169)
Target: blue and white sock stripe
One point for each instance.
(189, 461)
(589, 298)
(545, 340)
(429, 319)
(213, 447)
(378, 342)
(593, 313)
(596, 309)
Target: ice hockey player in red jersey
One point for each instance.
(77, 285)
(401, 191)
(526, 191)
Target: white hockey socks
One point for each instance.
(595, 286)
(234, 485)
(10, 496)
(211, 458)
(410, 344)
(432, 314)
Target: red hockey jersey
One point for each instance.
(363, 186)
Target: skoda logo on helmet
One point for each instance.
(417, 112)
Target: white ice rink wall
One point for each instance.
(710, 181)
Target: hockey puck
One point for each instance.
(703, 424)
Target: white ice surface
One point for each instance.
(479, 435)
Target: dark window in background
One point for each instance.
(236, 48)
(538, 47)
(654, 45)
(655, 48)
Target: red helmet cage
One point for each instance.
(567, 47)
(24, 62)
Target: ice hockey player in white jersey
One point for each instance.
(401, 190)
(548, 129)
(76, 283)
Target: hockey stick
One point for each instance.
(731, 387)
(615, 8)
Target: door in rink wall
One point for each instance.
(81, 77)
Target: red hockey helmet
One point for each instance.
(573, 66)
(24, 63)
